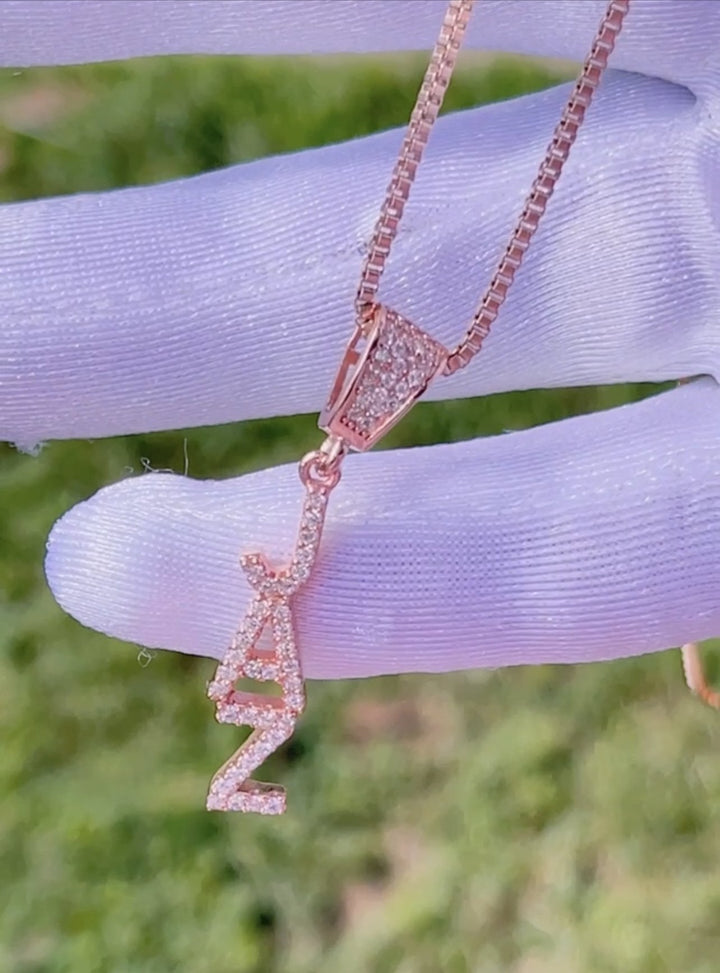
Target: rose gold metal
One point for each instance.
(427, 106)
(321, 467)
(382, 375)
(695, 675)
(272, 718)
(542, 188)
(387, 366)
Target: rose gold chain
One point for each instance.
(427, 106)
(542, 188)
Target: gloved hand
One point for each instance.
(229, 296)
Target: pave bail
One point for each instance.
(387, 366)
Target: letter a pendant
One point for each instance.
(272, 718)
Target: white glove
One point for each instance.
(229, 296)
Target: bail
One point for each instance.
(388, 364)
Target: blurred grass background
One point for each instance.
(549, 819)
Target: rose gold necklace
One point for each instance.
(388, 364)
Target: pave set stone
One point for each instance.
(271, 718)
(397, 367)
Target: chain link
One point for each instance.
(425, 112)
(542, 188)
(427, 106)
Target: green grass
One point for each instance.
(549, 819)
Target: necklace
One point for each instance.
(388, 364)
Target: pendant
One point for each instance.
(272, 718)
(387, 366)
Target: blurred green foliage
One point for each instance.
(552, 819)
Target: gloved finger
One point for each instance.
(593, 538)
(229, 296)
(670, 39)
